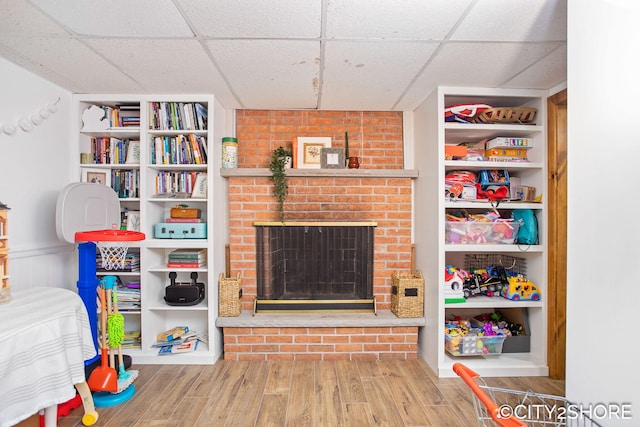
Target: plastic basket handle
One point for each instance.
(493, 409)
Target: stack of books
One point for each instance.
(178, 340)
(129, 297)
(132, 339)
(187, 258)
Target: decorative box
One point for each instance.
(407, 295)
(229, 296)
(184, 212)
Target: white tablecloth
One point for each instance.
(45, 338)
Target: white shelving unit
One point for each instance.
(431, 133)
(155, 315)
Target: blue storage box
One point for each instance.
(165, 230)
(491, 177)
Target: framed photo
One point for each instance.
(133, 220)
(309, 151)
(332, 158)
(97, 176)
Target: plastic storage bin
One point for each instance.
(478, 232)
(474, 345)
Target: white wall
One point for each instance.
(603, 292)
(34, 167)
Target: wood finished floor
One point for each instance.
(298, 394)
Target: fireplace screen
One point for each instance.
(314, 262)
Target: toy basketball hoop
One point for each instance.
(113, 245)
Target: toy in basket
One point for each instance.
(407, 295)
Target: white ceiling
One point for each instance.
(288, 54)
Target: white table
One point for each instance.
(45, 338)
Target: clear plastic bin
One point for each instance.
(474, 345)
(478, 232)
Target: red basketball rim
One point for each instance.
(109, 236)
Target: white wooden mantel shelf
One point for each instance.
(332, 173)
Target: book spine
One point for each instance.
(178, 220)
(185, 259)
(183, 265)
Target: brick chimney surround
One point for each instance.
(379, 191)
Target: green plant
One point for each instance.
(279, 159)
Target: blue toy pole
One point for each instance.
(87, 289)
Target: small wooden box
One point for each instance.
(407, 295)
(182, 212)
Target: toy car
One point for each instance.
(485, 282)
(520, 288)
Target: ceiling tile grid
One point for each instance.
(312, 54)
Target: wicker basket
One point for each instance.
(407, 295)
(506, 115)
(229, 295)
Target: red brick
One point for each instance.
(298, 339)
(348, 348)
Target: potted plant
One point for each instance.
(277, 166)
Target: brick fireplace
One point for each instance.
(362, 195)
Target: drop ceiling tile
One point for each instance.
(371, 76)
(508, 20)
(473, 65)
(400, 19)
(550, 71)
(254, 18)
(20, 18)
(117, 18)
(71, 60)
(165, 66)
(272, 74)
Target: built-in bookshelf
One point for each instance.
(155, 163)
(435, 251)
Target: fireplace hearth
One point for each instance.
(314, 266)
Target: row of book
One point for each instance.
(126, 183)
(129, 296)
(171, 182)
(114, 151)
(178, 116)
(187, 149)
(122, 115)
(187, 258)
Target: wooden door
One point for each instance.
(557, 191)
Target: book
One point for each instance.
(187, 256)
(178, 220)
(172, 334)
(187, 346)
(188, 251)
(201, 116)
(185, 265)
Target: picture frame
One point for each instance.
(97, 176)
(309, 151)
(132, 220)
(332, 158)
